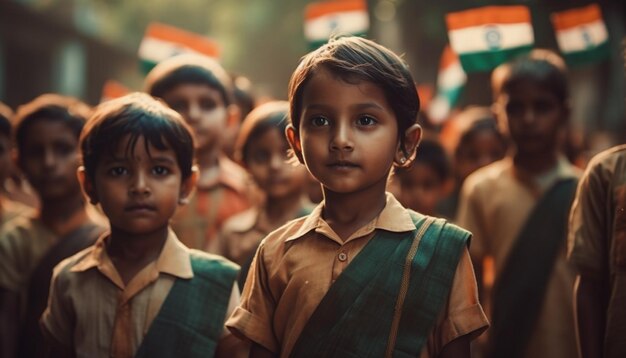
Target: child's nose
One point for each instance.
(342, 139)
(139, 185)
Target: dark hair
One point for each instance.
(270, 115)
(5, 120)
(540, 66)
(189, 69)
(137, 115)
(431, 153)
(356, 59)
(50, 107)
(474, 120)
(242, 94)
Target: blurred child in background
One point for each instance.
(47, 130)
(200, 90)
(517, 210)
(423, 185)
(262, 149)
(9, 209)
(474, 139)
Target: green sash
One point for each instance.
(520, 288)
(191, 320)
(355, 317)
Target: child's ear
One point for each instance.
(294, 142)
(187, 186)
(405, 154)
(87, 185)
(233, 116)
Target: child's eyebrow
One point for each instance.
(357, 106)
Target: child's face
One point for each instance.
(348, 135)
(483, 148)
(49, 159)
(5, 158)
(139, 190)
(421, 188)
(268, 164)
(534, 117)
(204, 110)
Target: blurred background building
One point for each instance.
(74, 46)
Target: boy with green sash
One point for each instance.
(517, 210)
(138, 291)
(361, 276)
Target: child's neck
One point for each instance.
(64, 215)
(536, 164)
(346, 213)
(277, 210)
(132, 252)
(208, 166)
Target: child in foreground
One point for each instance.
(326, 285)
(139, 292)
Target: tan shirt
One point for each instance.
(92, 311)
(23, 243)
(494, 205)
(296, 265)
(10, 210)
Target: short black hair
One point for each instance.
(356, 59)
(6, 114)
(50, 107)
(137, 115)
(472, 121)
(540, 66)
(189, 69)
(431, 153)
(270, 115)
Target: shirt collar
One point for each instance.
(230, 174)
(394, 217)
(174, 258)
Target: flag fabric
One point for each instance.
(487, 36)
(163, 41)
(450, 82)
(113, 89)
(336, 17)
(581, 34)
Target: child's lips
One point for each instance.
(342, 165)
(140, 208)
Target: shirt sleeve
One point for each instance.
(11, 275)
(469, 217)
(253, 318)
(57, 320)
(587, 223)
(462, 314)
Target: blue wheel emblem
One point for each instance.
(493, 37)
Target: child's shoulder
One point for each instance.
(204, 262)
(488, 175)
(448, 230)
(64, 268)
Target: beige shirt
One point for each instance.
(91, 309)
(296, 265)
(23, 243)
(495, 202)
(10, 210)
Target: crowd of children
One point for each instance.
(190, 221)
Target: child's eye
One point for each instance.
(118, 171)
(160, 170)
(319, 121)
(366, 121)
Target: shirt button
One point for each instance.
(342, 256)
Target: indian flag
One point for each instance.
(488, 36)
(329, 18)
(163, 41)
(581, 34)
(450, 82)
(113, 89)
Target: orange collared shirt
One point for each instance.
(296, 265)
(198, 223)
(93, 312)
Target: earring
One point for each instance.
(402, 160)
(183, 201)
